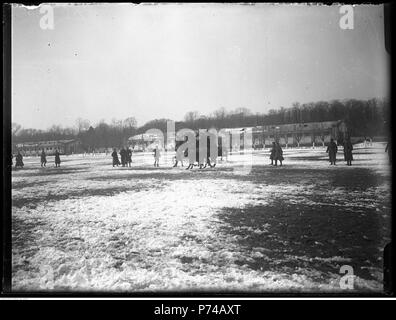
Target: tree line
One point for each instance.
(365, 118)
(362, 117)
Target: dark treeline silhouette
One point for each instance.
(105, 135)
(365, 118)
(93, 137)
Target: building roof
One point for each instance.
(46, 143)
(303, 126)
(145, 137)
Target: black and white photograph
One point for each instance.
(189, 148)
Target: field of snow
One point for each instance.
(87, 226)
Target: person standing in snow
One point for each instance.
(348, 151)
(123, 156)
(332, 151)
(43, 159)
(129, 156)
(19, 160)
(209, 161)
(278, 154)
(157, 155)
(116, 162)
(57, 158)
(273, 153)
(179, 156)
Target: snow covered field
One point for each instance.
(90, 227)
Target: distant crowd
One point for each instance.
(126, 157)
(43, 159)
(202, 161)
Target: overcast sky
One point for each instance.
(160, 61)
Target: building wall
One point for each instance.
(309, 132)
(49, 148)
(72, 147)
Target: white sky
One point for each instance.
(160, 61)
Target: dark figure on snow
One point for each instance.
(57, 158)
(116, 162)
(273, 153)
(191, 159)
(199, 153)
(210, 162)
(332, 150)
(157, 155)
(19, 160)
(179, 156)
(388, 149)
(278, 154)
(43, 159)
(348, 152)
(129, 157)
(123, 155)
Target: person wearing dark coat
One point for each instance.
(43, 159)
(57, 158)
(123, 155)
(116, 162)
(388, 149)
(348, 152)
(129, 156)
(273, 152)
(278, 154)
(210, 162)
(19, 160)
(191, 159)
(187, 154)
(199, 153)
(332, 151)
(220, 148)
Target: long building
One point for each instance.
(297, 134)
(145, 141)
(35, 148)
(288, 135)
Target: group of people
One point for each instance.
(125, 155)
(203, 160)
(18, 160)
(332, 150)
(276, 154)
(43, 159)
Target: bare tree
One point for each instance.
(298, 135)
(243, 111)
(130, 123)
(191, 116)
(220, 113)
(82, 124)
(314, 135)
(286, 137)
